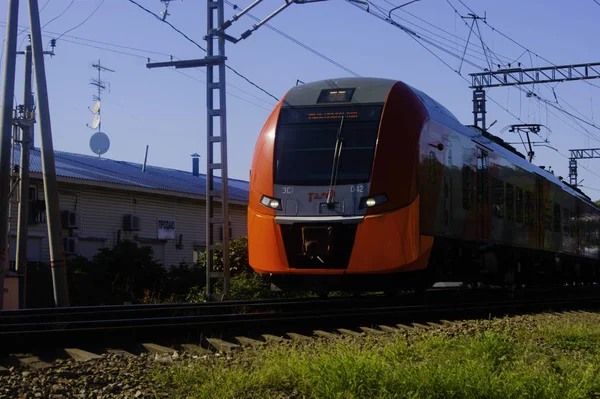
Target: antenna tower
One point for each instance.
(100, 86)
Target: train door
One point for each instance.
(483, 197)
(539, 212)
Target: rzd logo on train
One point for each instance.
(321, 196)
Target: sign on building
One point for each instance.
(166, 229)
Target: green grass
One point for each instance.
(553, 359)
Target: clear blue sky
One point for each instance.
(166, 109)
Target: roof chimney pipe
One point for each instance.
(195, 164)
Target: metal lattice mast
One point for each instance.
(212, 114)
(589, 153)
(522, 76)
(215, 32)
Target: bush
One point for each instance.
(128, 273)
(244, 282)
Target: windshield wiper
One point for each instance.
(337, 154)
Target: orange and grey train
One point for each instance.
(369, 184)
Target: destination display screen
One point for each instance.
(330, 114)
(335, 96)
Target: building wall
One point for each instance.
(100, 214)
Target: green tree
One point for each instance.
(598, 202)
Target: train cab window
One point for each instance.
(557, 218)
(548, 215)
(307, 139)
(510, 201)
(528, 219)
(497, 198)
(467, 187)
(519, 206)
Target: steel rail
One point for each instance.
(106, 333)
(80, 326)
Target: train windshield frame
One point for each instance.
(306, 139)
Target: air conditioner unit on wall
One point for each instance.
(70, 244)
(131, 222)
(69, 220)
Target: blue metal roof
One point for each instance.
(92, 168)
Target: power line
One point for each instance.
(296, 41)
(82, 22)
(203, 49)
(538, 98)
(417, 37)
(514, 41)
(59, 15)
(168, 23)
(2, 23)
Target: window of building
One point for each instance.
(528, 208)
(467, 187)
(519, 206)
(510, 201)
(497, 198)
(557, 218)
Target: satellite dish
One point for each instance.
(96, 121)
(99, 143)
(96, 107)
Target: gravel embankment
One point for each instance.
(119, 376)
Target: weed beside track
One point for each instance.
(543, 356)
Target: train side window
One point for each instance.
(482, 173)
(432, 167)
(467, 187)
(557, 218)
(588, 232)
(572, 223)
(519, 203)
(497, 198)
(510, 201)
(528, 208)
(566, 222)
(548, 215)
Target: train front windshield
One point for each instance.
(306, 141)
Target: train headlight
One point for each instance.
(273, 203)
(369, 202)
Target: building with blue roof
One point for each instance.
(104, 200)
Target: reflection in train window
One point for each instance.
(548, 215)
(467, 187)
(528, 208)
(557, 218)
(566, 222)
(510, 201)
(497, 198)
(519, 203)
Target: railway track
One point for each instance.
(98, 328)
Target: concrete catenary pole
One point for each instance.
(57, 251)
(8, 91)
(23, 215)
